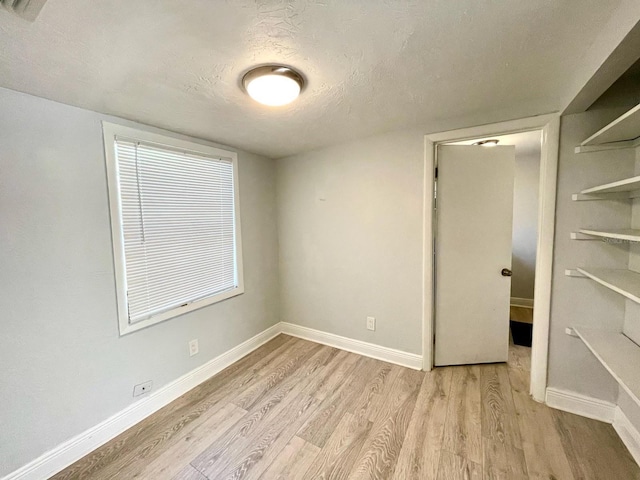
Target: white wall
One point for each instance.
(579, 301)
(64, 367)
(350, 233)
(525, 222)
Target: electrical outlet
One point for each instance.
(193, 347)
(142, 388)
(371, 323)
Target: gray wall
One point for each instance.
(64, 367)
(358, 252)
(350, 245)
(525, 222)
(350, 233)
(326, 241)
(579, 301)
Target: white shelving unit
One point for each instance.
(619, 355)
(625, 189)
(624, 282)
(623, 132)
(626, 185)
(628, 234)
(625, 127)
(618, 351)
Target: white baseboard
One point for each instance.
(74, 449)
(522, 302)
(410, 360)
(629, 434)
(579, 404)
(77, 447)
(573, 402)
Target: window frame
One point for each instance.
(110, 132)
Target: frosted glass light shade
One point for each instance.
(272, 85)
(492, 142)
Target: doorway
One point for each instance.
(485, 240)
(548, 125)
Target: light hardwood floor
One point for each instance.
(294, 409)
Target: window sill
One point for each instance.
(126, 327)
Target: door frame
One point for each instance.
(549, 124)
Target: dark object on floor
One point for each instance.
(521, 333)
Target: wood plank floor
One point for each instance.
(294, 409)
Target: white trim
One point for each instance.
(522, 302)
(550, 126)
(110, 132)
(405, 359)
(428, 272)
(601, 410)
(579, 404)
(628, 433)
(77, 447)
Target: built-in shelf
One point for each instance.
(582, 236)
(617, 352)
(626, 185)
(623, 129)
(605, 196)
(608, 146)
(573, 273)
(628, 234)
(624, 282)
(619, 355)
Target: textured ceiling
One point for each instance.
(372, 65)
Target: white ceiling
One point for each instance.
(372, 65)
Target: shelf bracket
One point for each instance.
(584, 236)
(574, 273)
(571, 332)
(581, 197)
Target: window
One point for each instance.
(175, 225)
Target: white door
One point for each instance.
(474, 215)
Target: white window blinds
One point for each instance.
(178, 226)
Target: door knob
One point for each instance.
(506, 272)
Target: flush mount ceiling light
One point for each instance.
(273, 85)
(492, 142)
